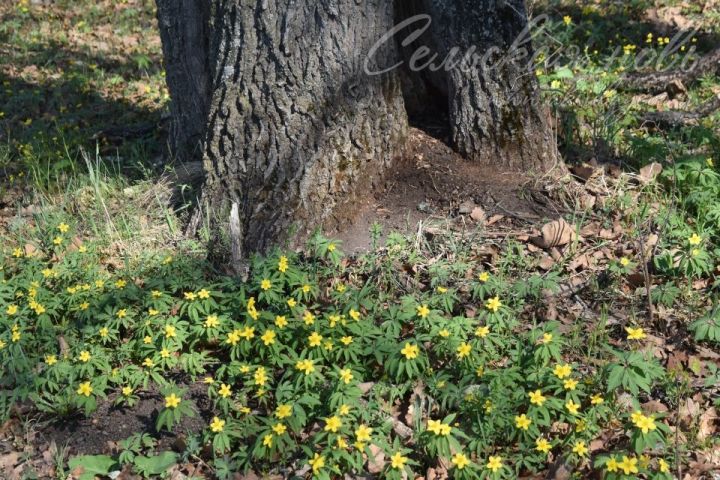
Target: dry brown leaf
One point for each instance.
(607, 234)
(676, 361)
(583, 172)
(250, 475)
(581, 262)
(555, 234)
(689, 411)
(478, 214)
(533, 248)
(547, 263)
(30, 249)
(8, 461)
(587, 201)
(667, 19)
(708, 424)
(636, 279)
(654, 406)
(592, 229)
(649, 172)
(376, 461)
(710, 456)
(560, 470)
(494, 219)
(466, 207)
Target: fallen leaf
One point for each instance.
(494, 219)
(592, 229)
(8, 461)
(478, 214)
(654, 406)
(583, 172)
(707, 425)
(555, 234)
(607, 234)
(560, 470)
(30, 249)
(676, 361)
(689, 410)
(547, 263)
(580, 263)
(376, 460)
(649, 172)
(466, 207)
(587, 201)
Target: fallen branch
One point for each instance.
(678, 118)
(657, 82)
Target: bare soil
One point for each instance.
(432, 182)
(110, 424)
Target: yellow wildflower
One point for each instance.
(562, 371)
(580, 448)
(464, 350)
(172, 401)
(317, 462)
(315, 339)
(494, 463)
(346, 375)
(217, 425)
(225, 391)
(410, 351)
(85, 389)
(460, 460)
(695, 240)
(628, 465)
(482, 331)
(332, 424)
(542, 445)
(635, 333)
(493, 304)
(283, 411)
(523, 422)
(398, 461)
(268, 337)
(363, 433)
(572, 407)
(537, 398)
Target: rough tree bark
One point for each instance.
(290, 126)
(488, 83)
(185, 34)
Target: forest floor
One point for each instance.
(586, 307)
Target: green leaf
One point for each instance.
(157, 464)
(564, 73)
(92, 465)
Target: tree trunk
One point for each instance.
(185, 34)
(292, 126)
(487, 80)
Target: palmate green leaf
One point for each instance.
(564, 73)
(707, 328)
(92, 465)
(155, 465)
(617, 378)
